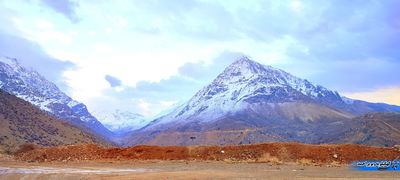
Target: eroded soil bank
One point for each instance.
(270, 152)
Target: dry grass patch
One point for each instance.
(307, 162)
(266, 157)
(334, 164)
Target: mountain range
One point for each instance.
(252, 103)
(247, 103)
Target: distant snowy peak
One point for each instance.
(120, 121)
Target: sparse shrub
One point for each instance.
(334, 164)
(6, 150)
(229, 160)
(305, 162)
(266, 157)
(310, 162)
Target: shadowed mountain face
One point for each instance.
(250, 103)
(34, 88)
(21, 122)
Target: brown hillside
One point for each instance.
(22, 123)
(374, 129)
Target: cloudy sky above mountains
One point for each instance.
(144, 56)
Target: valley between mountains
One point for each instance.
(250, 113)
(199, 89)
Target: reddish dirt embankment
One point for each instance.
(270, 152)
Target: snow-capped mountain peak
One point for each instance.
(244, 82)
(12, 62)
(246, 71)
(29, 85)
(250, 102)
(246, 67)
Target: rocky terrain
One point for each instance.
(22, 123)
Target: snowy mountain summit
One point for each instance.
(246, 81)
(267, 103)
(30, 86)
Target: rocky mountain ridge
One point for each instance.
(29, 85)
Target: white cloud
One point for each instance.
(119, 21)
(296, 6)
(144, 107)
(119, 89)
(102, 48)
(85, 83)
(42, 31)
(43, 24)
(108, 30)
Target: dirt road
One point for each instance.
(179, 170)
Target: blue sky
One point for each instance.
(144, 56)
